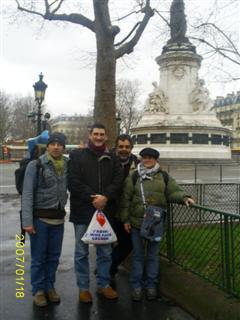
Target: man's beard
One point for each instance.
(124, 157)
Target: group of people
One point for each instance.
(97, 178)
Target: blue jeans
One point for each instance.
(46, 246)
(103, 260)
(140, 246)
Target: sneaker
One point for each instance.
(108, 293)
(151, 294)
(85, 296)
(137, 294)
(40, 299)
(53, 296)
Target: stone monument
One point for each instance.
(178, 119)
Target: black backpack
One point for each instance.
(20, 172)
(19, 178)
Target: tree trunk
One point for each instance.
(105, 87)
(104, 104)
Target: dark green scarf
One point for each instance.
(58, 164)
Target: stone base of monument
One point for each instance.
(184, 140)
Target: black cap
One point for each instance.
(149, 152)
(57, 137)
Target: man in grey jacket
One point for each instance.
(43, 200)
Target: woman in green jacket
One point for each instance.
(157, 191)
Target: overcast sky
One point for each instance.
(61, 53)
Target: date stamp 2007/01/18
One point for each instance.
(20, 260)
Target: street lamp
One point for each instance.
(46, 117)
(39, 90)
(118, 119)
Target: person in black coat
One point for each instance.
(95, 182)
(123, 150)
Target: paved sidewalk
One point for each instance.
(70, 308)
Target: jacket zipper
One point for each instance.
(99, 177)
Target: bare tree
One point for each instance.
(216, 35)
(5, 116)
(108, 51)
(22, 127)
(210, 33)
(127, 102)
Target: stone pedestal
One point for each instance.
(178, 119)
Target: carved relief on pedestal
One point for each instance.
(157, 100)
(199, 98)
(178, 72)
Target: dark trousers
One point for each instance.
(123, 247)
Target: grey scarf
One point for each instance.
(146, 173)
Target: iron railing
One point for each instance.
(206, 242)
(204, 173)
(224, 197)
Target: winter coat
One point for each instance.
(90, 175)
(133, 162)
(132, 209)
(47, 191)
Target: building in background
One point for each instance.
(228, 112)
(74, 127)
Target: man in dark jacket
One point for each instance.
(95, 182)
(123, 150)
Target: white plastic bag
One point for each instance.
(99, 230)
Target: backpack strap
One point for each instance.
(40, 169)
(135, 177)
(165, 177)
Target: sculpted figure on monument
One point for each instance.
(178, 22)
(199, 97)
(156, 101)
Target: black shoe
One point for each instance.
(137, 294)
(151, 294)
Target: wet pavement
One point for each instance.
(70, 308)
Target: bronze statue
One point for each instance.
(178, 23)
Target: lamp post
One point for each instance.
(39, 90)
(118, 119)
(45, 121)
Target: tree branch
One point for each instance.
(50, 15)
(128, 47)
(54, 2)
(162, 17)
(58, 6)
(28, 10)
(217, 49)
(207, 24)
(123, 40)
(128, 15)
(76, 18)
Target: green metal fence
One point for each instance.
(206, 242)
(224, 197)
